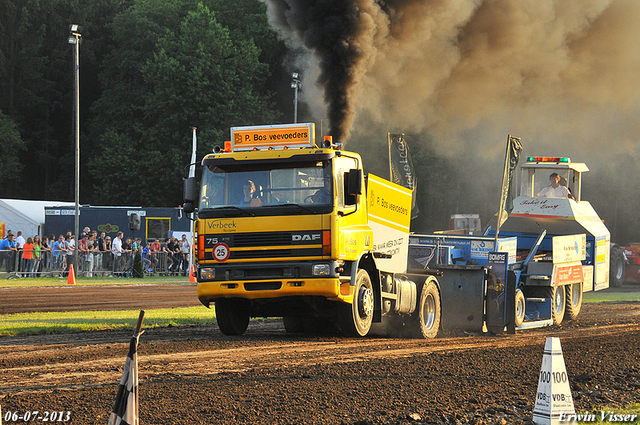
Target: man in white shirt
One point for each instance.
(555, 190)
(19, 243)
(116, 249)
(19, 240)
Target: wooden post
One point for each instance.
(140, 320)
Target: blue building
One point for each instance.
(155, 223)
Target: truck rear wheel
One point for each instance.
(356, 319)
(232, 315)
(616, 266)
(426, 317)
(574, 300)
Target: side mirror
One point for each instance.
(353, 186)
(189, 207)
(354, 182)
(190, 195)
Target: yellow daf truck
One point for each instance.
(287, 227)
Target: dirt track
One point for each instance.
(195, 375)
(112, 297)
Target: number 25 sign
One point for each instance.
(221, 252)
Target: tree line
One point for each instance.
(150, 70)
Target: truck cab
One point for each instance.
(284, 229)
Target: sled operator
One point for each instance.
(555, 189)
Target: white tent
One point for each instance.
(26, 216)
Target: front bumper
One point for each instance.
(329, 288)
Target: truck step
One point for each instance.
(535, 324)
(537, 276)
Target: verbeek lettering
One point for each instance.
(228, 226)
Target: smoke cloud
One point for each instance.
(460, 75)
(448, 67)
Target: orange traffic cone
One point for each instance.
(72, 276)
(192, 275)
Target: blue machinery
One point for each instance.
(478, 293)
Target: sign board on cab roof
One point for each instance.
(284, 136)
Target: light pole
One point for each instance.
(75, 38)
(295, 85)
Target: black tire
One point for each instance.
(232, 315)
(558, 302)
(574, 300)
(520, 307)
(355, 319)
(425, 320)
(617, 265)
(293, 325)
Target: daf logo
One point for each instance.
(297, 238)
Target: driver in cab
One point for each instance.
(249, 195)
(555, 189)
(323, 195)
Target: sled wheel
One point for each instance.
(558, 303)
(520, 308)
(574, 300)
(616, 267)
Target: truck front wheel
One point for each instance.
(426, 317)
(356, 319)
(232, 315)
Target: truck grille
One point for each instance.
(276, 253)
(261, 239)
(267, 245)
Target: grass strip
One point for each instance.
(89, 281)
(73, 321)
(604, 296)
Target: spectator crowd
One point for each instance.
(98, 254)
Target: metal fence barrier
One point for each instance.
(91, 264)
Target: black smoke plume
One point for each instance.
(333, 31)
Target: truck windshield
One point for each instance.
(282, 189)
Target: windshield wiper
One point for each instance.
(302, 207)
(233, 208)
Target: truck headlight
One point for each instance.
(208, 273)
(321, 269)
